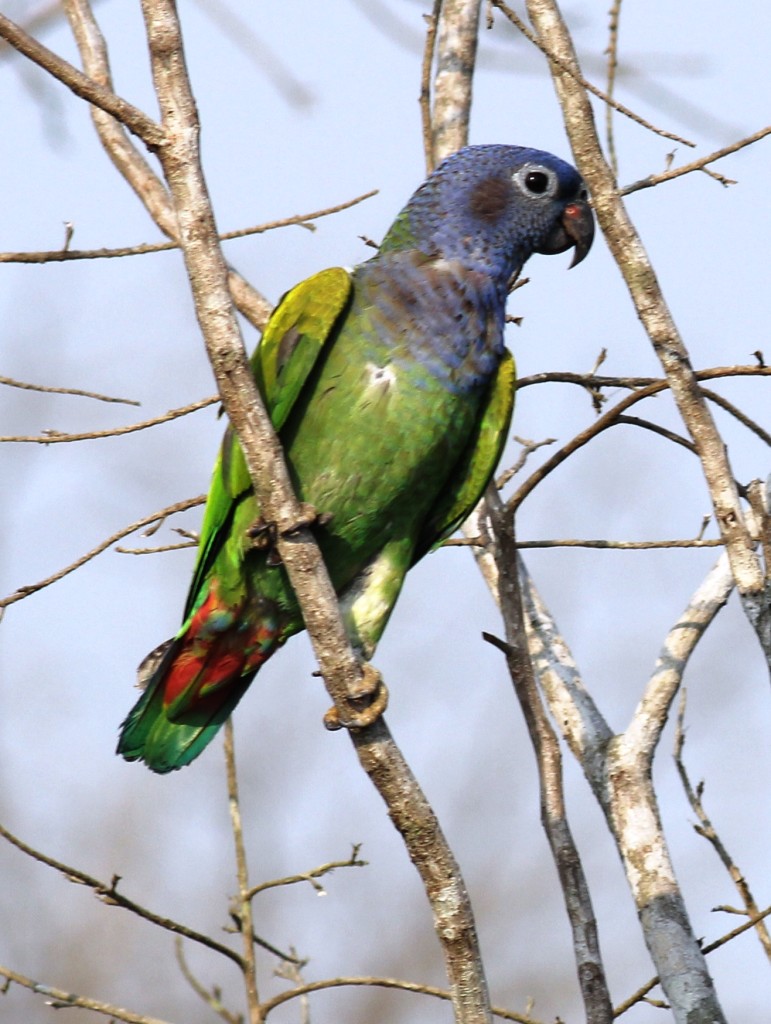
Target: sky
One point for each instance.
(304, 107)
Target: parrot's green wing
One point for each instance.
(299, 328)
(474, 470)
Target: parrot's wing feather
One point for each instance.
(474, 470)
(296, 333)
(299, 328)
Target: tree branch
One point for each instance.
(651, 308)
(156, 517)
(341, 670)
(618, 769)
(109, 895)
(93, 91)
(131, 163)
(578, 903)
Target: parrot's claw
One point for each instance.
(367, 703)
(309, 516)
(264, 535)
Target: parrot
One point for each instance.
(391, 391)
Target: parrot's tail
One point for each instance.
(193, 682)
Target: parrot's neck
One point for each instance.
(441, 314)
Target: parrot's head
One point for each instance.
(492, 207)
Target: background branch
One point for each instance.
(651, 308)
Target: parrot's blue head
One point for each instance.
(492, 207)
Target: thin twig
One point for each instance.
(61, 255)
(614, 15)
(615, 416)
(569, 69)
(378, 982)
(592, 381)
(737, 414)
(59, 999)
(59, 437)
(621, 545)
(528, 447)
(213, 997)
(310, 876)
(707, 831)
(608, 419)
(695, 165)
(161, 549)
(77, 392)
(242, 912)
(32, 588)
(108, 893)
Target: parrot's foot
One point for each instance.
(264, 535)
(309, 516)
(367, 702)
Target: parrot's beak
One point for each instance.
(575, 228)
(578, 222)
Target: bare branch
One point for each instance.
(432, 20)
(213, 998)
(608, 419)
(62, 255)
(592, 381)
(242, 910)
(578, 903)
(620, 545)
(161, 549)
(695, 165)
(710, 947)
(618, 769)
(131, 163)
(654, 314)
(156, 517)
(707, 830)
(88, 89)
(644, 731)
(614, 15)
(455, 57)
(310, 876)
(377, 982)
(57, 437)
(111, 897)
(11, 383)
(58, 999)
(569, 68)
(342, 673)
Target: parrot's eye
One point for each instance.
(535, 180)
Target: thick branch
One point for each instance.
(618, 769)
(653, 312)
(578, 902)
(341, 671)
(456, 54)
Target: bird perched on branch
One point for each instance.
(391, 391)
